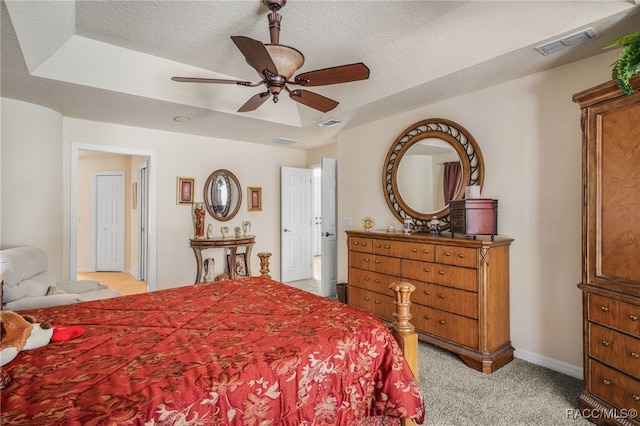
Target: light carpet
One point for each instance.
(519, 393)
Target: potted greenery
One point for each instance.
(628, 63)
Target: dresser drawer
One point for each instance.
(452, 327)
(450, 276)
(419, 251)
(615, 314)
(447, 299)
(374, 262)
(361, 244)
(377, 303)
(615, 349)
(615, 387)
(459, 256)
(373, 281)
(387, 247)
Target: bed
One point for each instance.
(248, 351)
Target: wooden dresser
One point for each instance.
(611, 252)
(461, 301)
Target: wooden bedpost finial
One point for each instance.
(403, 330)
(402, 291)
(264, 264)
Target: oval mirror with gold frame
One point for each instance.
(421, 159)
(222, 195)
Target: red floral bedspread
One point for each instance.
(246, 352)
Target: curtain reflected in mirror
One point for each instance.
(452, 180)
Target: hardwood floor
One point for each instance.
(117, 281)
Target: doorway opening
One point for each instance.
(139, 271)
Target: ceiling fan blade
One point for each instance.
(313, 100)
(333, 75)
(210, 80)
(256, 54)
(254, 102)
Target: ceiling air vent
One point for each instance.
(283, 141)
(329, 123)
(567, 41)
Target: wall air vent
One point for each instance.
(567, 41)
(283, 141)
(329, 123)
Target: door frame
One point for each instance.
(142, 230)
(73, 208)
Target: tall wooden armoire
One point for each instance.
(611, 254)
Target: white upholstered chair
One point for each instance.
(27, 285)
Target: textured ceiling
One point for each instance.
(112, 60)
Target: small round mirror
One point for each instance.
(222, 195)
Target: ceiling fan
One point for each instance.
(276, 64)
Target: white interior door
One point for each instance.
(329, 274)
(296, 212)
(316, 234)
(109, 220)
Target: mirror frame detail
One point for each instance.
(235, 194)
(448, 131)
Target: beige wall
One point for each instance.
(32, 196)
(529, 133)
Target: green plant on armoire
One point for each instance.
(628, 63)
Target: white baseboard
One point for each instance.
(86, 270)
(550, 363)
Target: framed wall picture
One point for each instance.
(184, 191)
(254, 198)
(239, 266)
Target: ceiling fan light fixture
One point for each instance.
(286, 59)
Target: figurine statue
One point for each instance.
(199, 215)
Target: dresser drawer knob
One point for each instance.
(635, 397)
(377, 281)
(442, 322)
(427, 270)
(377, 261)
(356, 243)
(427, 293)
(604, 309)
(605, 343)
(633, 317)
(606, 382)
(441, 296)
(426, 251)
(414, 250)
(461, 255)
(441, 272)
(387, 246)
(366, 259)
(377, 302)
(364, 244)
(367, 279)
(427, 317)
(446, 253)
(635, 355)
(367, 299)
(377, 245)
